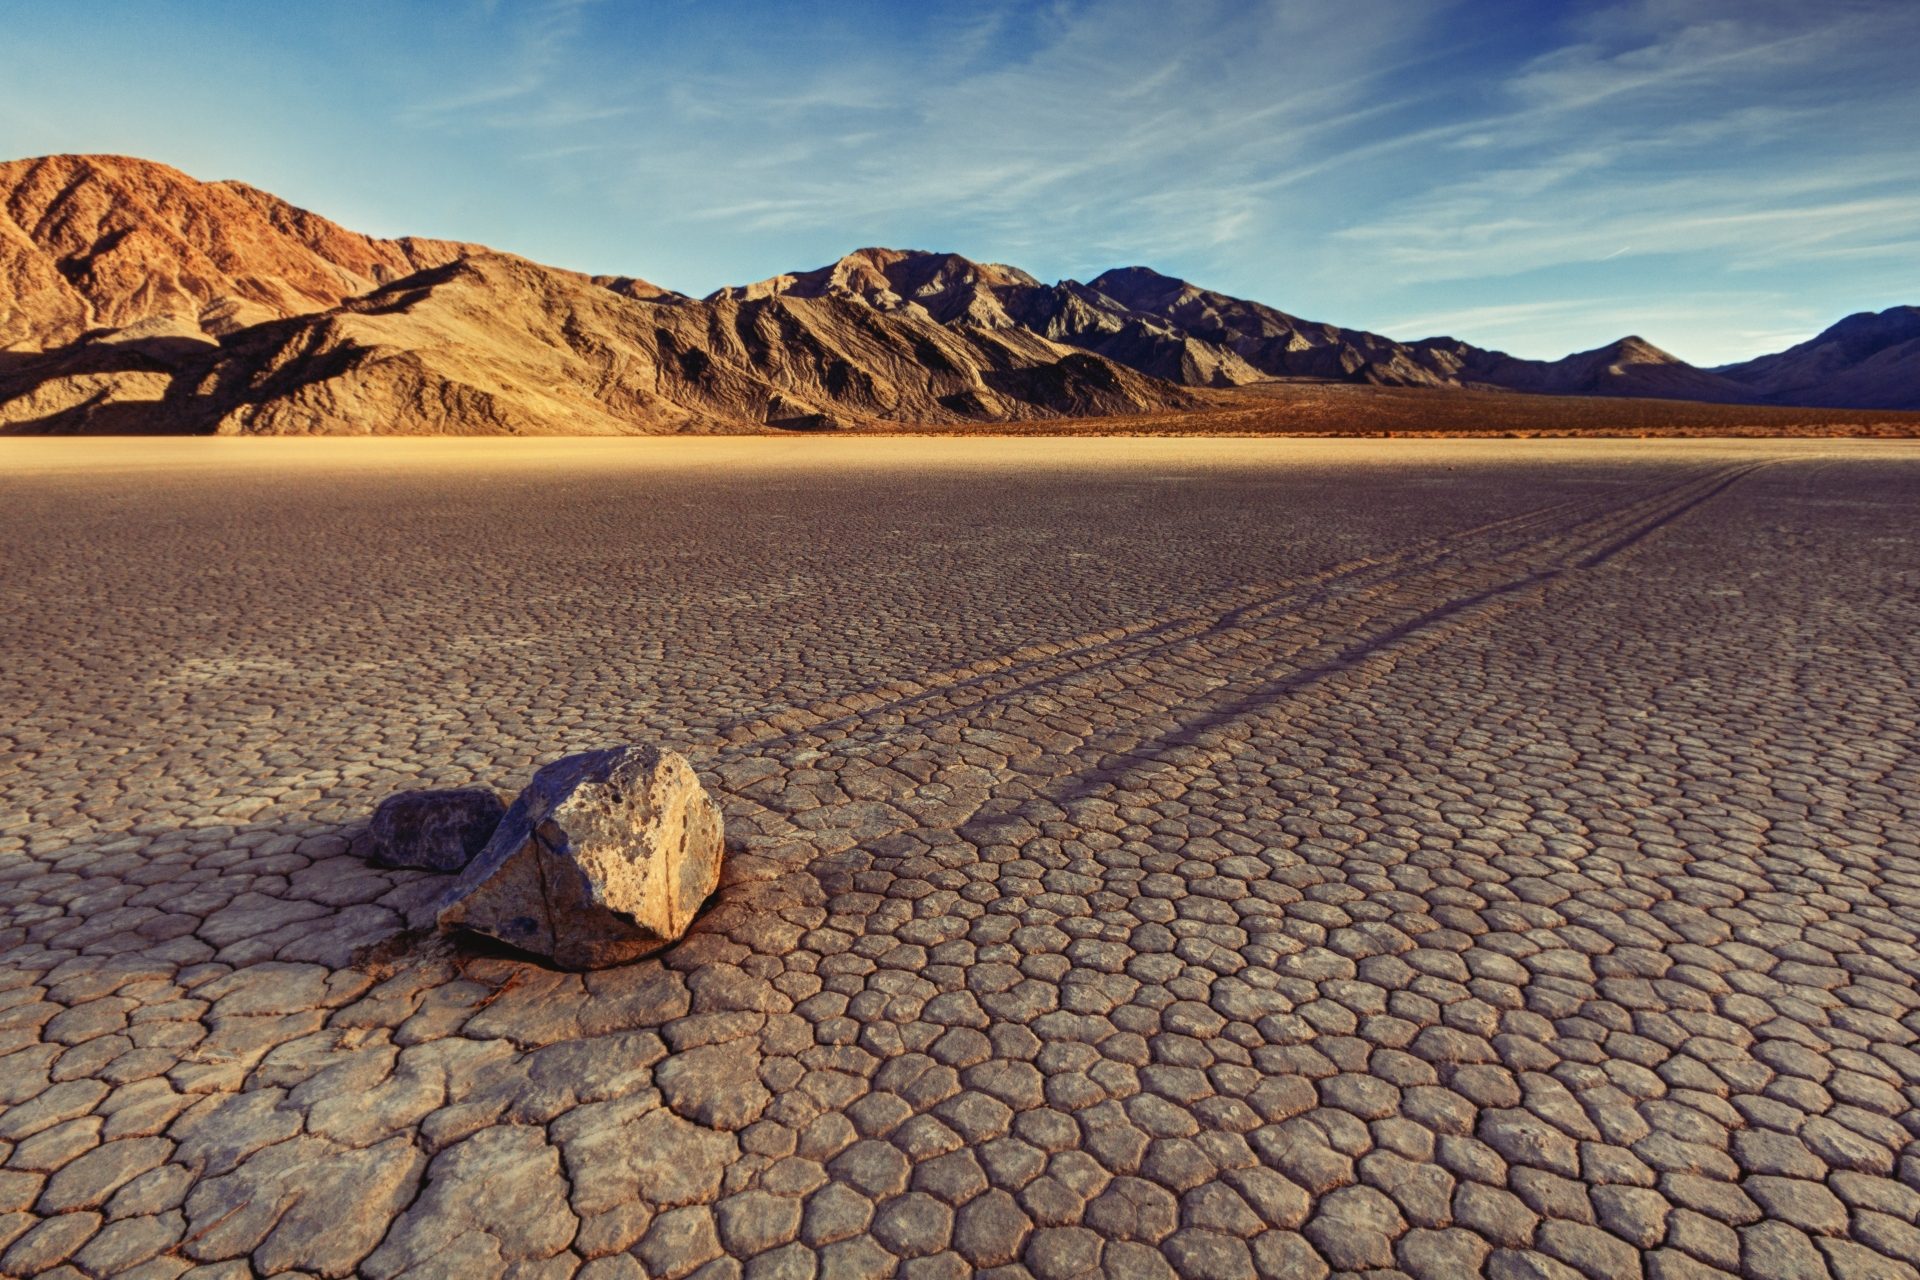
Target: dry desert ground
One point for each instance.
(1152, 856)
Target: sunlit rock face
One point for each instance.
(605, 857)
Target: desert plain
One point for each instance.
(1215, 858)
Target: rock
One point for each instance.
(603, 858)
(434, 830)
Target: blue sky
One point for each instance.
(1723, 177)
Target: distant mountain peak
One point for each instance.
(1637, 349)
(928, 262)
(1870, 359)
(1136, 281)
(947, 287)
(1865, 332)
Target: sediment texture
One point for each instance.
(1212, 860)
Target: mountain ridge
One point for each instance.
(1866, 360)
(1176, 330)
(92, 242)
(138, 298)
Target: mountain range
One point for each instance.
(134, 298)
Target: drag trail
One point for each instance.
(1146, 857)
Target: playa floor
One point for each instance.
(1158, 857)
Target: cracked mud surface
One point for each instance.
(1149, 857)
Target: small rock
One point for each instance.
(604, 857)
(434, 830)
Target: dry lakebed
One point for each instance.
(1214, 858)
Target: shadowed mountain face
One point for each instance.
(1630, 367)
(1868, 361)
(950, 290)
(138, 299)
(1178, 331)
(490, 344)
(1271, 341)
(1281, 345)
(494, 344)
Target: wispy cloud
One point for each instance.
(1373, 162)
(1538, 176)
(1706, 140)
(532, 65)
(1730, 312)
(1118, 125)
(1484, 235)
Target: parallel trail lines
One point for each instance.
(1493, 558)
(1181, 685)
(1031, 666)
(1582, 548)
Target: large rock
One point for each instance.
(604, 857)
(434, 830)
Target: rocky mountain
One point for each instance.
(1180, 332)
(954, 291)
(1270, 341)
(1868, 360)
(96, 242)
(493, 344)
(634, 287)
(497, 344)
(1274, 344)
(1630, 367)
(135, 298)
